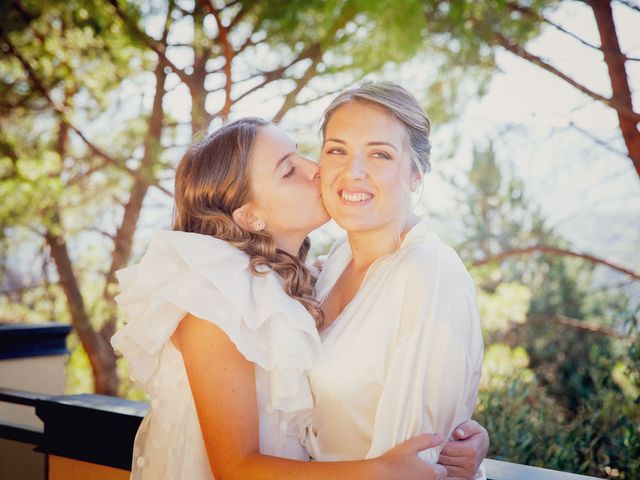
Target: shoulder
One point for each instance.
(430, 262)
(182, 266)
(194, 274)
(196, 250)
(439, 293)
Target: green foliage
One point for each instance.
(40, 304)
(471, 27)
(362, 34)
(79, 378)
(522, 423)
(506, 305)
(552, 395)
(527, 426)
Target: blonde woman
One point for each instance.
(222, 329)
(402, 346)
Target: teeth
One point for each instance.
(355, 197)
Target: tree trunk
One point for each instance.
(615, 60)
(199, 115)
(228, 53)
(123, 241)
(101, 355)
(124, 235)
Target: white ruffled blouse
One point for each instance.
(189, 273)
(405, 355)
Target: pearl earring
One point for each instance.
(259, 225)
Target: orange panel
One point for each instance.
(61, 468)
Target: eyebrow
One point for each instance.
(282, 160)
(337, 140)
(284, 157)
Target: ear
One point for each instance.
(245, 219)
(416, 179)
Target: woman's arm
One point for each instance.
(222, 382)
(433, 371)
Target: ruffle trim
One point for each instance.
(190, 273)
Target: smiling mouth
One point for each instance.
(355, 197)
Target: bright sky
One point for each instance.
(591, 194)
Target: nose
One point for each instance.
(356, 168)
(312, 169)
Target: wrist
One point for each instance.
(381, 469)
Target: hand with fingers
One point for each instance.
(402, 461)
(463, 455)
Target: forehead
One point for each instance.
(273, 137)
(365, 121)
(271, 144)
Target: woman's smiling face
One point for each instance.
(366, 167)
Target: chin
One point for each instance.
(354, 224)
(317, 225)
(317, 221)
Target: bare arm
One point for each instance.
(223, 385)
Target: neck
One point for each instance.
(289, 243)
(368, 246)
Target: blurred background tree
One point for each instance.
(561, 384)
(508, 25)
(99, 98)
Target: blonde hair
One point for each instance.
(402, 105)
(212, 180)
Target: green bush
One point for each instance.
(601, 438)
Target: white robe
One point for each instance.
(403, 358)
(185, 272)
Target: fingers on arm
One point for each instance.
(467, 429)
(462, 458)
(423, 442)
(458, 449)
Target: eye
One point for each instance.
(290, 172)
(335, 151)
(381, 154)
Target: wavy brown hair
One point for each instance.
(212, 180)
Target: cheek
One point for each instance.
(403, 174)
(393, 188)
(273, 202)
(284, 199)
(390, 179)
(326, 180)
(299, 196)
(325, 186)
